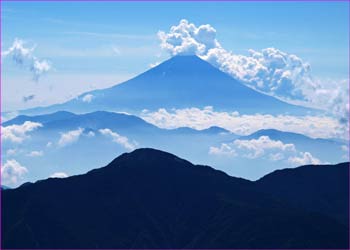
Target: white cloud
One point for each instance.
(11, 151)
(257, 147)
(276, 157)
(90, 134)
(152, 65)
(269, 70)
(265, 148)
(122, 140)
(87, 98)
(70, 137)
(59, 175)
(274, 150)
(39, 67)
(224, 149)
(186, 38)
(35, 154)
(313, 126)
(23, 56)
(304, 158)
(12, 172)
(18, 133)
(49, 144)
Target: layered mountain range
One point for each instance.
(94, 139)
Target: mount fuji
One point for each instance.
(180, 82)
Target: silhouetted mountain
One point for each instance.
(153, 199)
(324, 188)
(177, 83)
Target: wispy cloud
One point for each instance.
(121, 140)
(35, 153)
(70, 137)
(59, 175)
(87, 98)
(23, 56)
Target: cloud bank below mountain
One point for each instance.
(312, 126)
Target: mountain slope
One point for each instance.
(324, 189)
(94, 120)
(180, 82)
(152, 199)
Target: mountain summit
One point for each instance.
(180, 82)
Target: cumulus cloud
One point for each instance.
(12, 172)
(59, 175)
(35, 153)
(70, 137)
(272, 71)
(18, 133)
(87, 98)
(24, 57)
(313, 126)
(90, 134)
(257, 147)
(264, 148)
(121, 140)
(224, 149)
(187, 39)
(304, 158)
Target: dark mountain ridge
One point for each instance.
(153, 199)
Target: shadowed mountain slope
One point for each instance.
(323, 188)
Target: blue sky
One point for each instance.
(95, 45)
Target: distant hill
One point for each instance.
(153, 199)
(177, 83)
